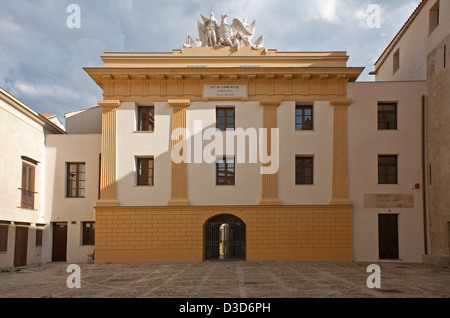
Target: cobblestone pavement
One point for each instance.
(227, 280)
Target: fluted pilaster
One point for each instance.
(179, 194)
(269, 195)
(340, 153)
(108, 179)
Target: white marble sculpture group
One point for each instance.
(238, 34)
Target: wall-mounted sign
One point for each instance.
(388, 200)
(225, 91)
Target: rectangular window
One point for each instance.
(225, 171)
(387, 170)
(396, 60)
(304, 170)
(387, 116)
(39, 233)
(28, 178)
(303, 117)
(145, 171)
(225, 118)
(76, 180)
(434, 17)
(146, 118)
(88, 233)
(388, 236)
(3, 238)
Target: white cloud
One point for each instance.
(327, 10)
(11, 28)
(42, 60)
(44, 91)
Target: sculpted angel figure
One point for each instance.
(191, 43)
(243, 32)
(226, 33)
(238, 34)
(208, 30)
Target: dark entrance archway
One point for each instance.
(224, 238)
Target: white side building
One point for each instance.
(24, 219)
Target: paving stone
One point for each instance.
(227, 280)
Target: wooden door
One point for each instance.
(59, 249)
(388, 236)
(21, 246)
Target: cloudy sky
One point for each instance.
(42, 59)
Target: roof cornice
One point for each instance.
(29, 112)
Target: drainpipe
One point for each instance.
(424, 169)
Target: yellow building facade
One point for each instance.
(176, 231)
(236, 152)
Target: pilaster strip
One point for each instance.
(179, 194)
(108, 179)
(340, 153)
(269, 195)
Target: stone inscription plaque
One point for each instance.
(225, 91)
(389, 200)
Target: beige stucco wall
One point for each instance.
(202, 188)
(61, 149)
(365, 144)
(22, 137)
(412, 56)
(317, 143)
(415, 44)
(86, 121)
(131, 143)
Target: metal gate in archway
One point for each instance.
(224, 238)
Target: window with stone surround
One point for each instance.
(145, 171)
(396, 61)
(434, 17)
(28, 184)
(225, 118)
(146, 118)
(304, 170)
(225, 171)
(387, 116)
(303, 117)
(76, 180)
(387, 169)
(88, 233)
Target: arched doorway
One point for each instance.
(224, 238)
